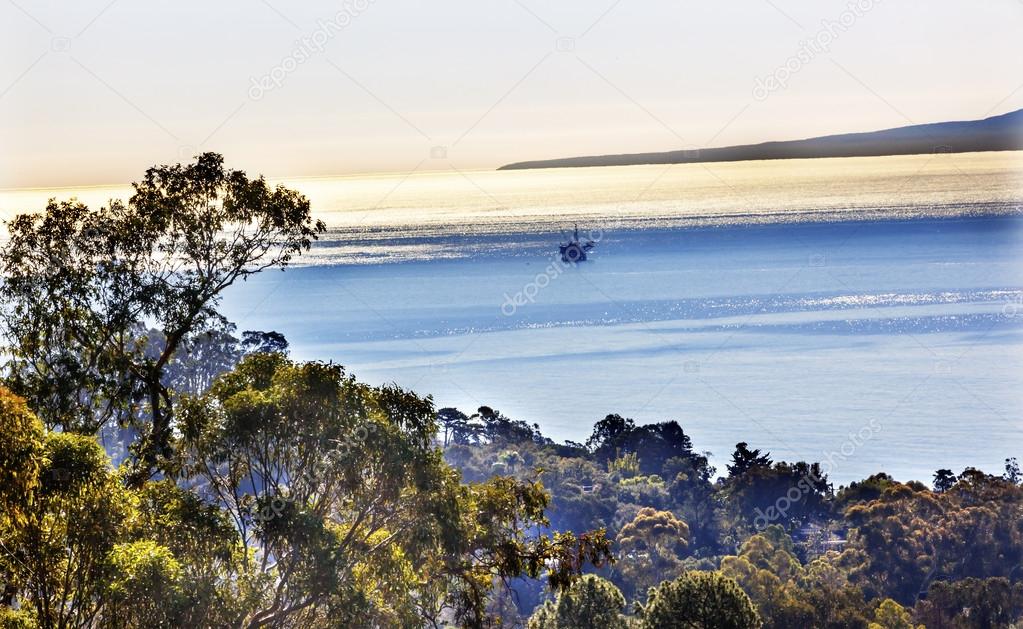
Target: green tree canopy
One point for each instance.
(21, 458)
(590, 603)
(82, 285)
(699, 600)
(651, 546)
(338, 494)
(56, 558)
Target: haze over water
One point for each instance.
(786, 304)
(439, 198)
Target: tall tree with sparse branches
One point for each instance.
(82, 286)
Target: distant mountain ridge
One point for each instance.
(997, 133)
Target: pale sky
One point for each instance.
(94, 91)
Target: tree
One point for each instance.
(944, 480)
(582, 497)
(911, 537)
(266, 342)
(590, 603)
(200, 359)
(345, 509)
(145, 588)
(651, 546)
(310, 500)
(508, 463)
(744, 459)
(203, 540)
(456, 427)
(767, 569)
(699, 600)
(608, 434)
(496, 428)
(789, 494)
(981, 603)
(625, 466)
(81, 284)
(659, 443)
(1012, 471)
(22, 444)
(859, 492)
(90, 552)
(56, 561)
(655, 444)
(891, 615)
(694, 497)
(21, 459)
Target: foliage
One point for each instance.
(891, 615)
(913, 536)
(651, 545)
(316, 500)
(971, 602)
(21, 448)
(58, 554)
(789, 494)
(1012, 471)
(769, 572)
(744, 459)
(823, 559)
(699, 600)
(145, 587)
(944, 480)
(331, 481)
(590, 603)
(615, 435)
(81, 284)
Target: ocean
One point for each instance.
(862, 312)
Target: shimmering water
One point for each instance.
(865, 311)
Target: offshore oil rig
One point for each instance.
(575, 250)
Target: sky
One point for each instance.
(95, 91)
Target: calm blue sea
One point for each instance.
(872, 345)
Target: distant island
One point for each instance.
(998, 133)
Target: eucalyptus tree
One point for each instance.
(82, 287)
(345, 509)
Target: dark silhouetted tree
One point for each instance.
(944, 480)
(455, 427)
(1012, 471)
(266, 342)
(744, 459)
